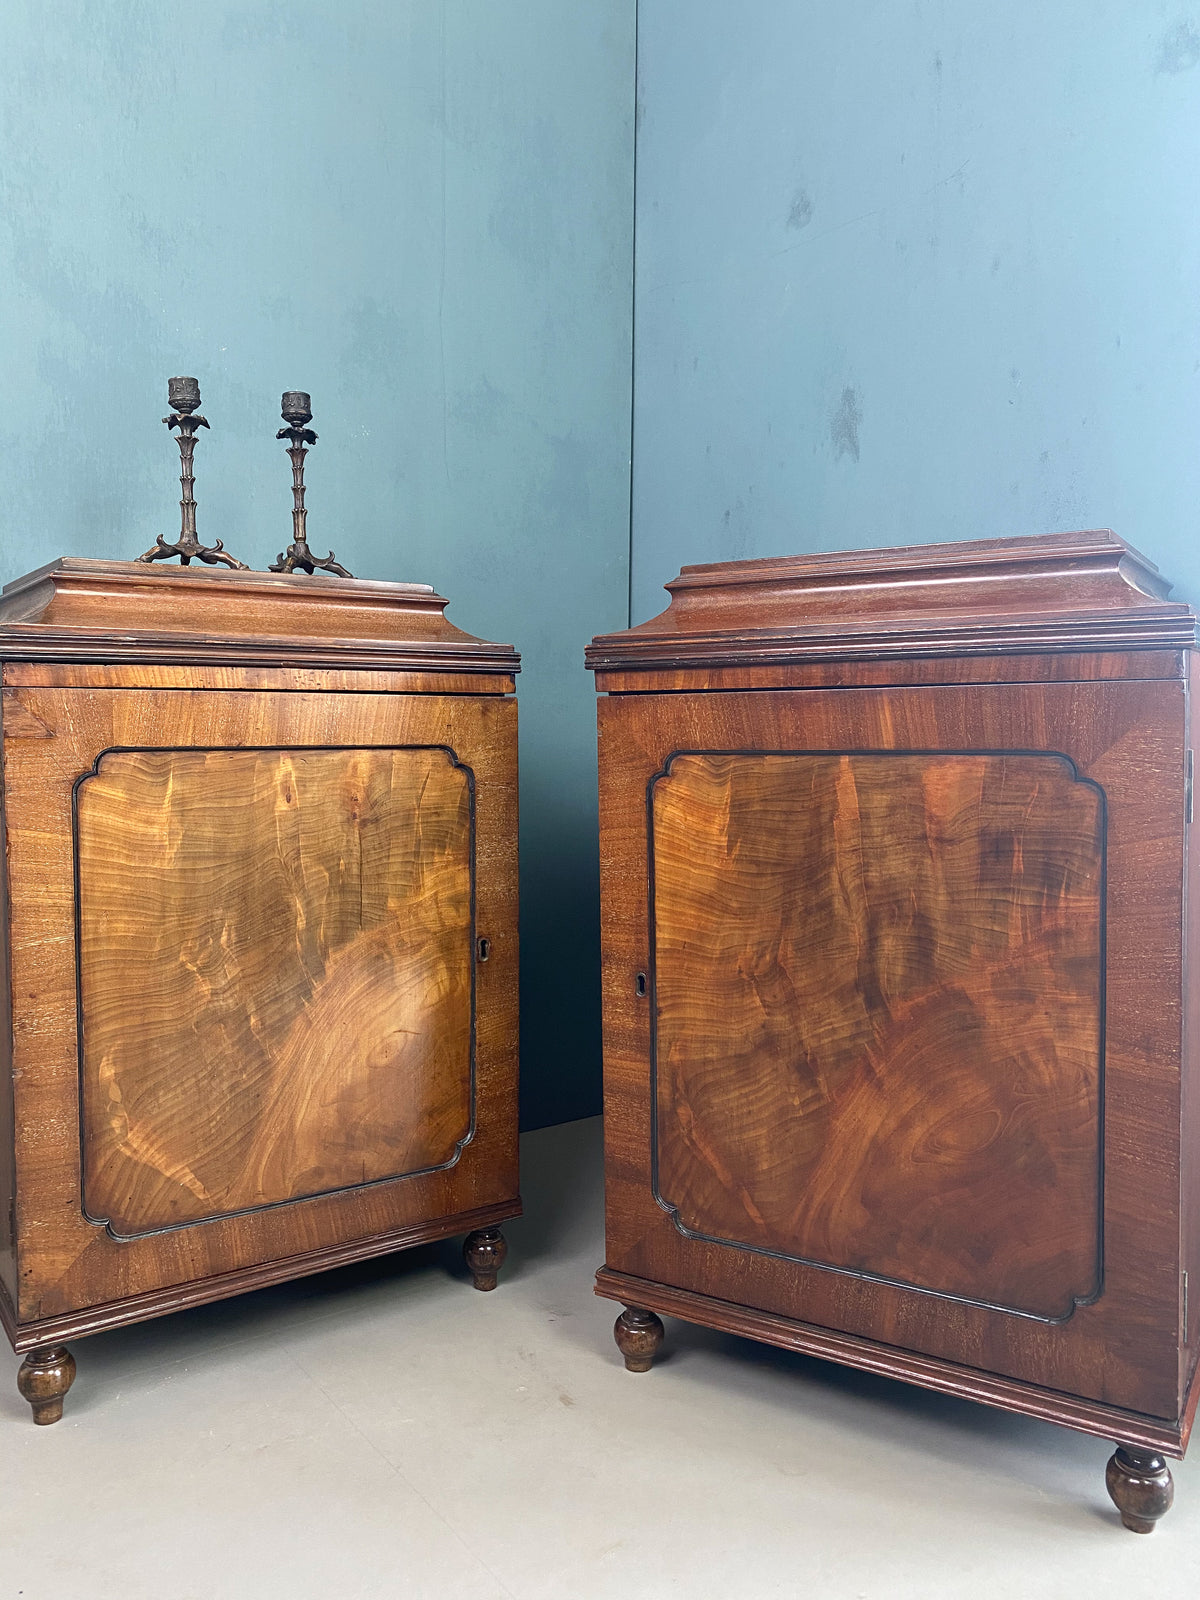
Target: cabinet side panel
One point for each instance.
(8, 1149)
(1190, 1133)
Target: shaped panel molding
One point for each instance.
(276, 976)
(878, 1004)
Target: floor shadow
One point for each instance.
(562, 1189)
(1027, 1448)
(254, 1315)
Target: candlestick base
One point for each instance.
(299, 558)
(211, 555)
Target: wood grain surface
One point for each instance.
(275, 955)
(878, 1004)
(1122, 1349)
(8, 1129)
(837, 674)
(100, 1317)
(53, 737)
(159, 675)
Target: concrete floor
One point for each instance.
(386, 1431)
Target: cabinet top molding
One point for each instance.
(109, 611)
(1044, 594)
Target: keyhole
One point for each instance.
(484, 949)
(639, 983)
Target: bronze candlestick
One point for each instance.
(183, 395)
(297, 413)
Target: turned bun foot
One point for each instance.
(484, 1252)
(44, 1377)
(1140, 1485)
(638, 1334)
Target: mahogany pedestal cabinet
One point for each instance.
(902, 1056)
(260, 939)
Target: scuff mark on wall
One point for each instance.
(1179, 50)
(735, 524)
(802, 209)
(843, 426)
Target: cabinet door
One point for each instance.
(246, 940)
(907, 1059)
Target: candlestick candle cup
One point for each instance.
(296, 407)
(183, 394)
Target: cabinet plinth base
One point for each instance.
(1140, 1433)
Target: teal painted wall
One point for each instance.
(911, 269)
(421, 213)
(915, 270)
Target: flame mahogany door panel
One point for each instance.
(305, 995)
(877, 1016)
(251, 926)
(907, 1060)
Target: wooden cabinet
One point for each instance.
(901, 1049)
(261, 935)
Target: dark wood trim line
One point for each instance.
(1164, 627)
(33, 642)
(161, 1302)
(870, 687)
(927, 1372)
